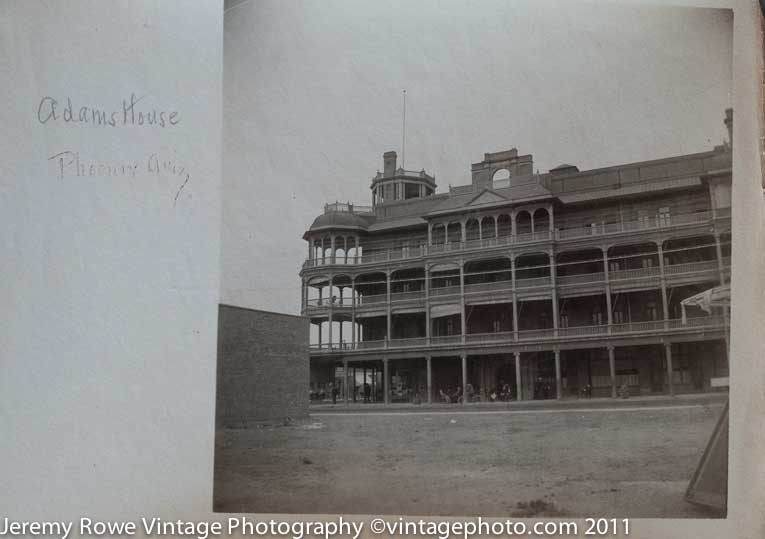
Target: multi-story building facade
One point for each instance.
(522, 285)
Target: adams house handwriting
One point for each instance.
(131, 112)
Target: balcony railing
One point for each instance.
(505, 286)
(545, 334)
(533, 282)
(596, 229)
(690, 267)
(582, 278)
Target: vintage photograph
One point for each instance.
(476, 259)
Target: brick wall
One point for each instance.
(263, 366)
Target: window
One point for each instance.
(450, 327)
(597, 317)
(618, 317)
(501, 178)
(652, 312)
(645, 220)
(615, 265)
(564, 320)
(405, 249)
(663, 216)
(497, 326)
(647, 263)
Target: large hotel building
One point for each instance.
(522, 285)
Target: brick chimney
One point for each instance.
(389, 162)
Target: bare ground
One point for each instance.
(627, 462)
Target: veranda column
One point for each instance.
(558, 377)
(353, 313)
(345, 249)
(427, 305)
(462, 300)
(664, 303)
(464, 379)
(720, 265)
(430, 234)
(721, 269)
(513, 226)
(518, 387)
(428, 369)
(612, 369)
(668, 355)
(515, 298)
(345, 381)
(386, 381)
(329, 323)
(332, 253)
(609, 308)
(553, 273)
(388, 310)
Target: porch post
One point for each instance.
(664, 303)
(517, 375)
(464, 378)
(515, 298)
(668, 354)
(609, 307)
(353, 313)
(462, 300)
(345, 381)
(558, 378)
(386, 382)
(515, 316)
(429, 371)
(427, 305)
(720, 266)
(554, 295)
(388, 310)
(612, 369)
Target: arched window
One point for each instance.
(501, 178)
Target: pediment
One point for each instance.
(486, 197)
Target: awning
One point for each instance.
(438, 311)
(718, 296)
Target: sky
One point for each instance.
(313, 98)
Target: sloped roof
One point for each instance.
(341, 220)
(398, 222)
(627, 190)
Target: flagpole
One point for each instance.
(403, 135)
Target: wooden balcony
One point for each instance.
(653, 223)
(541, 336)
(675, 275)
